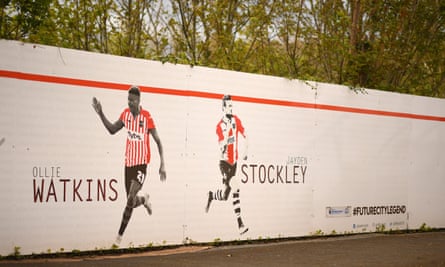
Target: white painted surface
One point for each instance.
(353, 160)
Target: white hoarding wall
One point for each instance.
(321, 158)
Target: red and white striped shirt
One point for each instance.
(137, 151)
(227, 131)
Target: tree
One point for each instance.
(405, 44)
(130, 38)
(330, 25)
(292, 23)
(20, 19)
(389, 45)
(188, 30)
(157, 31)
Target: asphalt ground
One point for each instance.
(407, 249)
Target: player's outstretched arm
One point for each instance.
(162, 172)
(111, 127)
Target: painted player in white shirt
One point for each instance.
(228, 130)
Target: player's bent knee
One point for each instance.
(131, 201)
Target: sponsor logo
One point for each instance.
(135, 136)
(396, 224)
(344, 211)
(231, 140)
(360, 226)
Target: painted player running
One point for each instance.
(139, 125)
(227, 131)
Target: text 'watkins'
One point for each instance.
(50, 186)
(74, 190)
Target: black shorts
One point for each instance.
(227, 170)
(137, 173)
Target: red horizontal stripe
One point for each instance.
(61, 80)
(177, 92)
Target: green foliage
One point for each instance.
(425, 228)
(319, 232)
(217, 241)
(16, 254)
(380, 228)
(17, 251)
(389, 45)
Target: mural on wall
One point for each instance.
(139, 125)
(228, 130)
(319, 160)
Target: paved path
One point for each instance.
(414, 249)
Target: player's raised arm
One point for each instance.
(111, 127)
